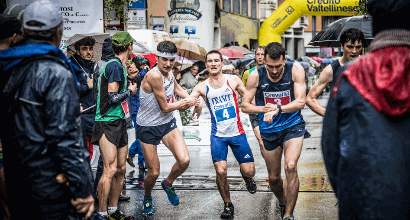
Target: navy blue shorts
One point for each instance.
(273, 140)
(154, 134)
(239, 146)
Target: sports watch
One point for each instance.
(280, 108)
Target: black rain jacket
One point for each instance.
(41, 130)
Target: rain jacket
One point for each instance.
(365, 140)
(41, 129)
(86, 94)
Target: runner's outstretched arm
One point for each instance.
(250, 91)
(311, 100)
(155, 81)
(199, 90)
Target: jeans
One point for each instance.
(135, 147)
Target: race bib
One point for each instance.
(277, 98)
(125, 108)
(225, 114)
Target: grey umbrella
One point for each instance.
(330, 35)
(99, 39)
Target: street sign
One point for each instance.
(190, 29)
(173, 29)
(137, 4)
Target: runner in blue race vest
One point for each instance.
(280, 91)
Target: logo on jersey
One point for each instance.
(247, 156)
(281, 98)
(171, 99)
(227, 90)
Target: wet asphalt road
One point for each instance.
(200, 199)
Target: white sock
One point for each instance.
(103, 213)
(111, 210)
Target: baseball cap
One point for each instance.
(44, 12)
(122, 38)
(15, 10)
(9, 26)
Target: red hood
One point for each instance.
(383, 79)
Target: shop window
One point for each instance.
(253, 8)
(245, 7)
(236, 6)
(227, 5)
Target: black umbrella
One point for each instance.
(330, 35)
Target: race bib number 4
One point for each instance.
(281, 98)
(225, 114)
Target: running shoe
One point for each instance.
(289, 218)
(130, 160)
(250, 184)
(282, 210)
(123, 198)
(228, 212)
(147, 208)
(118, 215)
(172, 196)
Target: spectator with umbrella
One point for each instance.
(82, 58)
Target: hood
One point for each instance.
(107, 51)
(28, 49)
(382, 78)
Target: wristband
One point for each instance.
(280, 109)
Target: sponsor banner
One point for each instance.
(192, 20)
(82, 16)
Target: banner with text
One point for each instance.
(81, 16)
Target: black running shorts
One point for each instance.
(273, 140)
(115, 132)
(154, 134)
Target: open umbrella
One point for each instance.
(150, 56)
(243, 50)
(190, 50)
(317, 59)
(330, 35)
(231, 53)
(99, 39)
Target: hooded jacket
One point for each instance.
(365, 140)
(41, 131)
(86, 94)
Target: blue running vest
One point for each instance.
(279, 92)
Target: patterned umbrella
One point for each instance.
(317, 59)
(190, 50)
(99, 39)
(231, 53)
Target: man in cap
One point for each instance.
(156, 123)
(365, 140)
(351, 41)
(43, 137)
(11, 31)
(110, 131)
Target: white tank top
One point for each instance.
(223, 106)
(149, 113)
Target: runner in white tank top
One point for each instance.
(223, 105)
(156, 122)
(220, 91)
